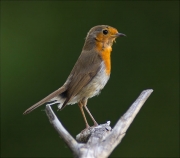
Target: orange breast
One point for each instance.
(105, 53)
(106, 56)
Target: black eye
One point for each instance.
(105, 32)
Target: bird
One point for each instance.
(89, 74)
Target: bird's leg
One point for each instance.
(82, 111)
(85, 106)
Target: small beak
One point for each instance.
(120, 34)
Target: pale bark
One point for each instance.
(100, 141)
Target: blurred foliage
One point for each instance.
(41, 41)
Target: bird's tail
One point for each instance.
(46, 99)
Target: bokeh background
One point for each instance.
(41, 41)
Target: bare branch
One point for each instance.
(100, 141)
(70, 141)
(124, 122)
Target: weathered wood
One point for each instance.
(100, 141)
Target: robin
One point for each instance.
(89, 74)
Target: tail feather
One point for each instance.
(46, 99)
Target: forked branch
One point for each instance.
(100, 141)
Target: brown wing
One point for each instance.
(86, 67)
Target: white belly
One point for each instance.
(94, 87)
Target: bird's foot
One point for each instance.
(95, 124)
(87, 127)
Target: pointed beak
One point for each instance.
(120, 34)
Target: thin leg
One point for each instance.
(82, 111)
(85, 106)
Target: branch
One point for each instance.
(70, 141)
(100, 141)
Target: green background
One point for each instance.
(41, 41)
